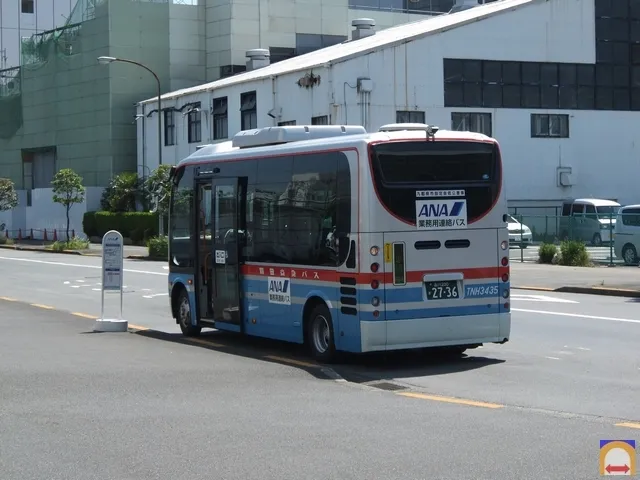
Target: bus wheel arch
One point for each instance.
(181, 310)
(319, 336)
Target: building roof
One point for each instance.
(343, 51)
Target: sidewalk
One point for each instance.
(94, 250)
(615, 281)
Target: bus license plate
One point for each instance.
(442, 290)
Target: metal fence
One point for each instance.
(609, 238)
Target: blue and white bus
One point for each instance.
(343, 240)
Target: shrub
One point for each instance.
(122, 193)
(73, 244)
(5, 241)
(159, 247)
(546, 252)
(89, 224)
(574, 254)
(125, 223)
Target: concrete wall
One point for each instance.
(410, 77)
(46, 215)
(14, 25)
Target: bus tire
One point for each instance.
(320, 335)
(183, 315)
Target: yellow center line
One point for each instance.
(8, 299)
(628, 425)
(291, 361)
(84, 315)
(137, 328)
(459, 401)
(46, 307)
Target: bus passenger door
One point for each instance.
(228, 231)
(204, 272)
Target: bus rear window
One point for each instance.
(401, 168)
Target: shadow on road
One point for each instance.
(365, 368)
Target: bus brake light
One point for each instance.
(375, 284)
(374, 267)
(505, 261)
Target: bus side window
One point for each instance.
(343, 208)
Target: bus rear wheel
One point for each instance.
(320, 334)
(183, 313)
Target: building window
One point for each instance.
(426, 7)
(410, 117)
(553, 126)
(322, 120)
(471, 122)
(278, 54)
(28, 6)
(220, 118)
(310, 42)
(194, 124)
(288, 122)
(248, 111)
(169, 128)
(230, 70)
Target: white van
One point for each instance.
(589, 220)
(627, 234)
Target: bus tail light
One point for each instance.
(504, 245)
(375, 284)
(375, 301)
(506, 306)
(374, 267)
(505, 261)
(376, 314)
(505, 277)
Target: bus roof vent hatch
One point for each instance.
(430, 130)
(287, 134)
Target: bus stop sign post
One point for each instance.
(112, 278)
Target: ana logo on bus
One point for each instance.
(279, 290)
(441, 210)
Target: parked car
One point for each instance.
(588, 220)
(627, 234)
(519, 234)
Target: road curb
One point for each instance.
(45, 250)
(611, 292)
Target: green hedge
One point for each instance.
(137, 226)
(159, 247)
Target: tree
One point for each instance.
(121, 193)
(158, 187)
(8, 195)
(67, 190)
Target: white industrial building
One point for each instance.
(557, 82)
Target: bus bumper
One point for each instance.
(435, 332)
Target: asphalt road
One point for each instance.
(77, 405)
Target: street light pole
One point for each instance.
(108, 60)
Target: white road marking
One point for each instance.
(541, 298)
(584, 348)
(67, 283)
(577, 315)
(30, 260)
(156, 295)
(80, 281)
(552, 358)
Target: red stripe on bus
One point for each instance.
(365, 278)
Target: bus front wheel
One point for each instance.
(320, 333)
(183, 313)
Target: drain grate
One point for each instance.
(391, 387)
